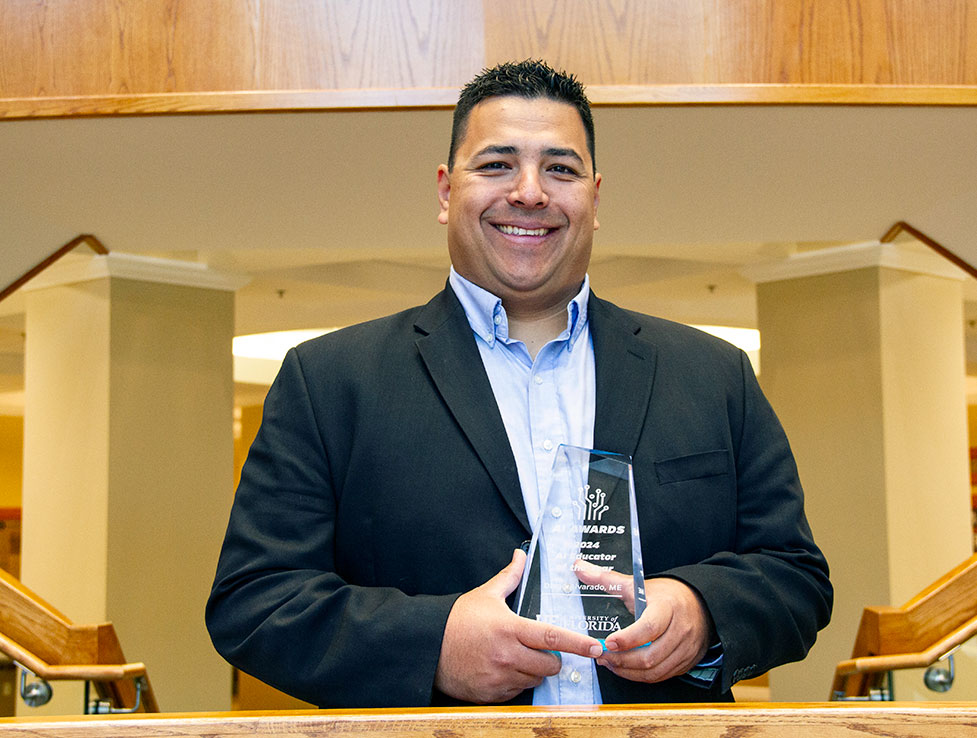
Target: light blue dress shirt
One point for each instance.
(545, 403)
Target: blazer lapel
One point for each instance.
(625, 369)
(448, 350)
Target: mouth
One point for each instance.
(511, 230)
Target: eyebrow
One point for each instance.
(564, 152)
(510, 150)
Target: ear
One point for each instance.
(597, 181)
(444, 190)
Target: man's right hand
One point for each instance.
(490, 654)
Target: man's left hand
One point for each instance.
(675, 623)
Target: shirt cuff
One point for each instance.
(704, 673)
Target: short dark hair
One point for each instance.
(532, 78)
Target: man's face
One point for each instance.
(521, 202)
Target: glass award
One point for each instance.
(587, 525)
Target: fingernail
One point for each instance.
(596, 651)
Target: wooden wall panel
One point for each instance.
(352, 50)
(906, 42)
(186, 46)
(603, 42)
(59, 48)
(613, 42)
(351, 44)
(89, 47)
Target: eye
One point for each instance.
(494, 165)
(564, 169)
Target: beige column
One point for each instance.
(128, 461)
(863, 359)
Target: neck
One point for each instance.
(536, 331)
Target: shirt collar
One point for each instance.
(488, 319)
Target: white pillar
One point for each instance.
(128, 461)
(862, 357)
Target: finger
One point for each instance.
(675, 616)
(517, 681)
(648, 663)
(546, 637)
(612, 582)
(646, 656)
(505, 582)
(650, 627)
(513, 685)
(656, 674)
(537, 664)
(509, 692)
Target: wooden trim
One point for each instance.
(89, 240)
(799, 720)
(445, 97)
(787, 94)
(903, 227)
(259, 101)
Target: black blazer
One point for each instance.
(381, 486)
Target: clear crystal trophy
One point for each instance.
(588, 524)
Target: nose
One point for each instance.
(528, 191)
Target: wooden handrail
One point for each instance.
(902, 226)
(798, 720)
(86, 238)
(918, 660)
(54, 672)
(44, 641)
(918, 634)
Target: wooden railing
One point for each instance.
(797, 720)
(918, 634)
(86, 238)
(43, 640)
(903, 227)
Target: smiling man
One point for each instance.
(375, 535)
(520, 203)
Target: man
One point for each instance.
(373, 541)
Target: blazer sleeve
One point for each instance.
(770, 594)
(279, 608)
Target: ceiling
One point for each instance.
(332, 215)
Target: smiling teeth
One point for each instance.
(516, 231)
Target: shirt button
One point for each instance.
(567, 588)
(575, 676)
(498, 320)
(556, 512)
(538, 379)
(548, 445)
